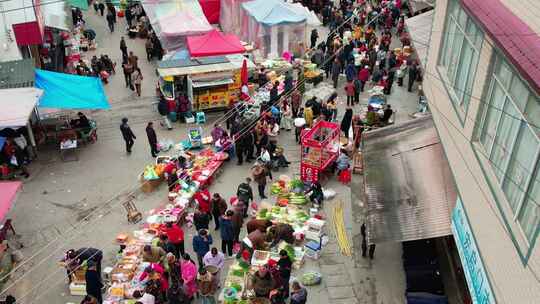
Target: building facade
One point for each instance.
(482, 81)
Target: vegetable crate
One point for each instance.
(320, 149)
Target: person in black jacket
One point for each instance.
(93, 282)
(244, 193)
(86, 254)
(152, 139)
(127, 134)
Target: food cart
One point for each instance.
(209, 82)
(320, 148)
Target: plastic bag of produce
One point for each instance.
(329, 193)
(311, 278)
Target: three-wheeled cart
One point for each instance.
(320, 149)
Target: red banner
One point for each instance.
(309, 173)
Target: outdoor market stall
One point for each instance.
(63, 94)
(320, 148)
(209, 82)
(17, 108)
(174, 21)
(8, 194)
(265, 22)
(309, 234)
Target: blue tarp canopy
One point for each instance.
(67, 91)
(272, 12)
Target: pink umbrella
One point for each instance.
(244, 79)
(8, 191)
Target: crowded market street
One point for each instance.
(65, 205)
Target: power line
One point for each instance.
(102, 206)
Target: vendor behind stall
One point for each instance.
(81, 122)
(281, 232)
(258, 224)
(256, 240)
(262, 282)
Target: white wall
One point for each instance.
(511, 280)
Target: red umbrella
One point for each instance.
(244, 79)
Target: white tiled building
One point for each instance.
(482, 81)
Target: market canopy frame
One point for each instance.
(67, 91)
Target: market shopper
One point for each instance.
(219, 206)
(335, 71)
(123, 49)
(189, 276)
(259, 175)
(313, 38)
(285, 268)
(205, 285)
(201, 220)
(244, 193)
(152, 139)
(215, 259)
(137, 79)
(350, 90)
(202, 198)
(110, 21)
(346, 121)
(201, 245)
(227, 232)
(93, 282)
(298, 294)
(175, 235)
(127, 69)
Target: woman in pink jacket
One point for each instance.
(189, 275)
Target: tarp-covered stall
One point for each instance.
(173, 21)
(214, 43)
(8, 193)
(274, 26)
(229, 17)
(17, 106)
(211, 9)
(67, 91)
(410, 191)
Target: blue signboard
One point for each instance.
(474, 270)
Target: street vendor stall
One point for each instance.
(209, 82)
(320, 148)
(265, 22)
(8, 193)
(174, 21)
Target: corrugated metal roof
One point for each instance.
(17, 74)
(409, 188)
(515, 38)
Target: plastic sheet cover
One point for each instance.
(260, 17)
(66, 91)
(173, 21)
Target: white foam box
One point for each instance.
(77, 289)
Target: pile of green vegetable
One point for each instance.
(297, 199)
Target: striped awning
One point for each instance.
(409, 187)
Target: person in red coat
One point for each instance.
(175, 234)
(202, 197)
(363, 76)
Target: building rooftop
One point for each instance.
(17, 74)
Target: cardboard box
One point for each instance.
(77, 289)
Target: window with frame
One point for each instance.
(509, 134)
(458, 57)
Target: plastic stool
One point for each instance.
(200, 118)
